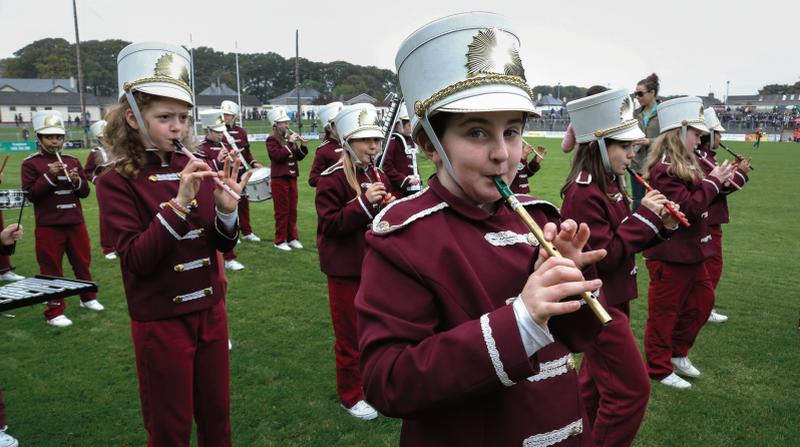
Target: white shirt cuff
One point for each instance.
(228, 220)
(534, 336)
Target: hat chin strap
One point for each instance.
(426, 124)
(684, 132)
(604, 155)
(352, 154)
(139, 120)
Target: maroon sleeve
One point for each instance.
(692, 203)
(739, 178)
(317, 167)
(584, 204)
(244, 140)
(533, 167)
(393, 150)
(89, 167)
(338, 215)
(38, 184)
(408, 364)
(82, 188)
(300, 151)
(276, 151)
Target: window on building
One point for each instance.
(33, 109)
(12, 108)
(48, 108)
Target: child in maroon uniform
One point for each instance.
(349, 194)
(718, 211)
(96, 164)
(284, 154)
(55, 189)
(681, 295)
(400, 160)
(526, 169)
(168, 220)
(457, 336)
(237, 133)
(330, 150)
(614, 383)
(216, 149)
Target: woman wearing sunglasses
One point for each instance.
(647, 94)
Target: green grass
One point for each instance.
(77, 386)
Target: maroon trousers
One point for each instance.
(614, 383)
(184, 371)
(714, 262)
(51, 244)
(5, 261)
(342, 295)
(680, 298)
(2, 410)
(244, 216)
(284, 200)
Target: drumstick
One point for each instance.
(3, 167)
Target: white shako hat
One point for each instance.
(357, 121)
(229, 107)
(682, 113)
(467, 62)
(712, 121)
(328, 112)
(155, 68)
(97, 128)
(605, 115)
(278, 115)
(402, 113)
(48, 122)
(213, 119)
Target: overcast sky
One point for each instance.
(694, 46)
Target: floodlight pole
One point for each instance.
(297, 80)
(80, 74)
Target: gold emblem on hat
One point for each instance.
(368, 117)
(171, 67)
(220, 120)
(492, 52)
(53, 121)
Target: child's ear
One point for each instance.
(427, 147)
(131, 119)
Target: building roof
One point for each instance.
(306, 95)
(765, 100)
(53, 99)
(220, 89)
(216, 100)
(548, 100)
(38, 85)
(361, 98)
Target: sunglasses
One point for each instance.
(639, 93)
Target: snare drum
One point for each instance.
(258, 188)
(12, 198)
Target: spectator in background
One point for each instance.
(759, 133)
(25, 133)
(647, 94)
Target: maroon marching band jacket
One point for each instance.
(169, 265)
(613, 227)
(440, 345)
(718, 211)
(240, 138)
(342, 221)
(96, 163)
(398, 165)
(327, 154)
(688, 245)
(55, 200)
(6, 250)
(520, 184)
(284, 158)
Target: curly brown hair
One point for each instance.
(124, 143)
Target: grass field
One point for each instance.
(77, 386)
